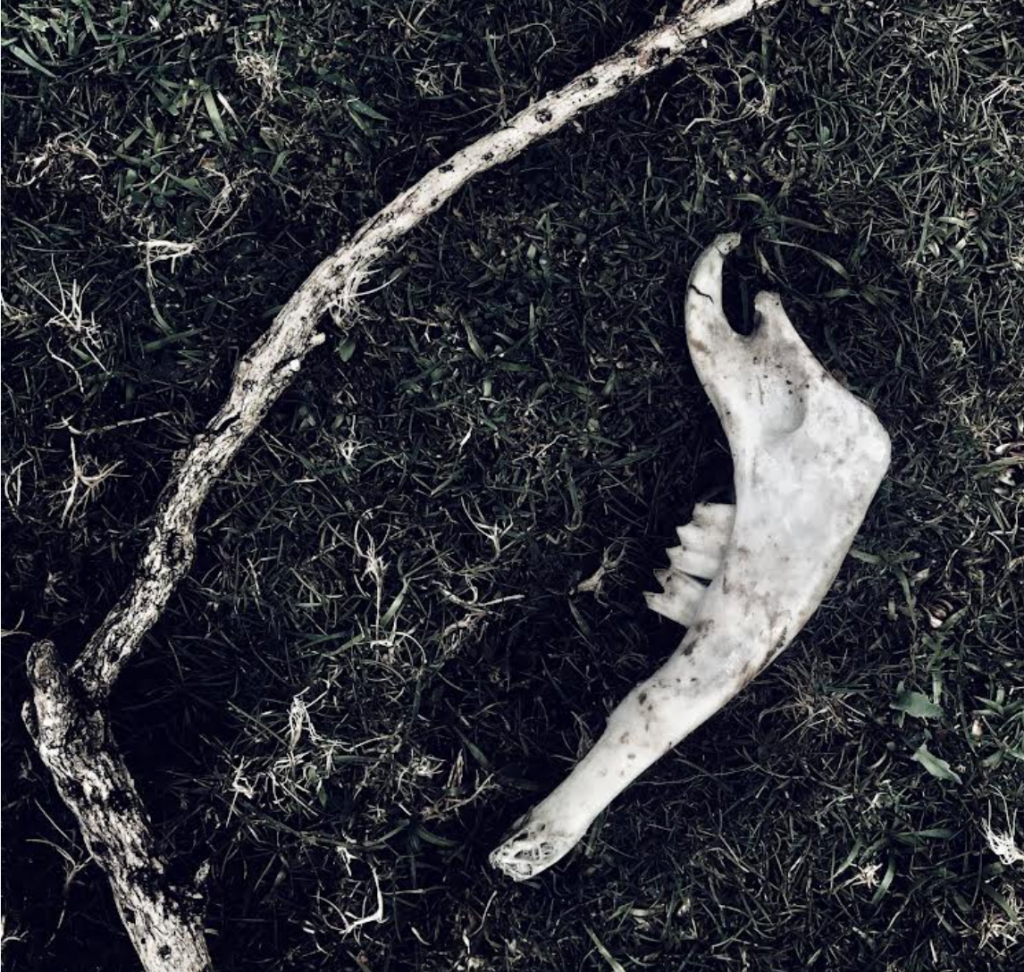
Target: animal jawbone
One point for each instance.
(808, 458)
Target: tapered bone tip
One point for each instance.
(707, 330)
(879, 443)
(707, 272)
(727, 242)
(660, 603)
(680, 606)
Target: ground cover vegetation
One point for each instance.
(418, 592)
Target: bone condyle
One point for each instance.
(808, 458)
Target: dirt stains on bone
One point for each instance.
(698, 633)
(779, 644)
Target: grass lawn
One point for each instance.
(381, 658)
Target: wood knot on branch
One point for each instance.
(46, 671)
(62, 716)
(179, 548)
(52, 712)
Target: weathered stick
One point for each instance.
(67, 716)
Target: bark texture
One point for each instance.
(67, 714)
(163, 919)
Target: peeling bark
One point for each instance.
(67, 716)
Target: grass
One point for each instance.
(381, 658)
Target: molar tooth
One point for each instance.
(718, 516)
(673, 607)
(676, 583)
(710, 540)
(663, 576)
(681, 598)
(697, 563)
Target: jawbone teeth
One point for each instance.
(807, 458)
(681, 598)
(702, 544)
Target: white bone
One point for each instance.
(681, 598)
(703, 542)
(696, 563)
(715, 516)
(808, 457)
(680, 607)
(693, 536)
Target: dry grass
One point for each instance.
(382, 655)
